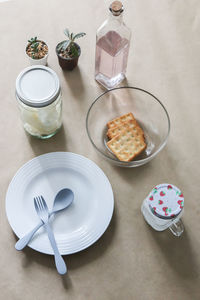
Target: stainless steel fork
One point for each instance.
(43, 212)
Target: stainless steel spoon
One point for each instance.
(62, 200)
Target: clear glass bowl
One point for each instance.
(150, 113)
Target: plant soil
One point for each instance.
(68, 54)
(42, 50)
(65, 54)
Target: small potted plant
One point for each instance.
(68, 51)
(37, 52)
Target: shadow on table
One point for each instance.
(177, 251)
(75, 82)
(31, 257)
(55, 143)
(128, 174)
(77, 260)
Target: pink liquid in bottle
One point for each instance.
(111, 59)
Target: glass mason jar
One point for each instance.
(163, 208)
(38, 95)
(112, 48)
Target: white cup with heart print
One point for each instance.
(163, 208)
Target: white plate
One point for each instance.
(83, 222)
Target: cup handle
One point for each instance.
(177, 228)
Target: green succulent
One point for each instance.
(34, 45)
(33, 40)
(69, 44)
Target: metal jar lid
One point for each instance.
(37, 86)
(166, 201)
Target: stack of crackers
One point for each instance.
(126, 137)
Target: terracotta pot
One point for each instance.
(68, 63)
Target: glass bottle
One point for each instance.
(112, 48)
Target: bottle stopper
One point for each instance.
(116, 8)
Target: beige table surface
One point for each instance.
(130, 261)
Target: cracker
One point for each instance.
(120, 120)
(131, 124)
(126, 146)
